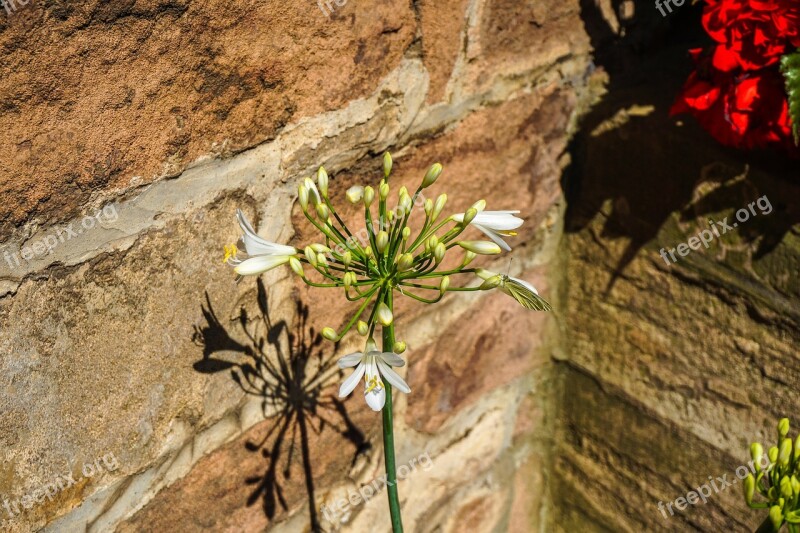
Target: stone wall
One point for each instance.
(122, 333)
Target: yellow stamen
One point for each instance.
(230, 252)
(373, 384)
(508, 233)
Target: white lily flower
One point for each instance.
(522, 291)
(372, 365)
(262, 255)
(495, 224)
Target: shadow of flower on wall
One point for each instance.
(288, 369)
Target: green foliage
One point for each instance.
(790, 67)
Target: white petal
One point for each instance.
(459, 217)
(392, 359)
(351, 360)
(376, 398)
(501, 222)
(262, 263)
(352, 380)
(393, 377)
(255, 245)
(495, 237)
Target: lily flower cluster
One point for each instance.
(387, 260)
(778, 482)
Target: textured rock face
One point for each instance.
(120, 336)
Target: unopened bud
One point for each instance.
(428, 207)
(756, 453)
(405, 262)
(433, 240)
(381, 241)
(384, 315)
(355, 194)
(470, 215)
(773, 454)
(481, 247)
(323, 211)
(491, 283)
(795, 485)
(322, 181)
(302, 196)
(749, 488)
(387, 163)
(776, 517)
(439, 206)
(347, 280)
(322, 261)
(313, 194)
(369, 195)
(399, 347)
(431, 175)
(362, 327)
(444, 284)
(783, 427)
(479, 206)
(406, 233)
(347, 258)
(384, 190)
(785, 452)
(330, 334)
(406, 204)
(786, 487)
(438, 252)
(320, 248)
(294, 263)
(311, 255)
(468, 257)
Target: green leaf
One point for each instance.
(790, 67)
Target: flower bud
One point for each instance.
(323, 212)
(795, 485)
(362, 327)
(405, 262)
(399, 347)
(480, 247)
(311, 255)
(776, 517)
(330, 334)
(322, 261)
(297, 267)
(384, 315)
(491, 283)
(433, 240)
(313, 195)
(320, 248)
(428, 207)
(355, 194)
(322, 181)
(479, 206)
(444, 284)
(468, 257)
(783, 427)
(439, 206)
(406, 233)
(773, 454)
(369, 253)
(797, 448)
(381, 241)
(302, 196)
(470, 215)
(384, 190)
(438, 252)
(786, 487)
(749, 488)
(785, 452)
(390, 217)
(387, 164)
(347, 258)
(369, 195)
(756, 453)
(405, 204)
(347, 280)
(432, 175)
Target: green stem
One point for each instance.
(388, 433)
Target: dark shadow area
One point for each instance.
(636, 165)
(288, 369)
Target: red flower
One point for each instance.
(753, 33)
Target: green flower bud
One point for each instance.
(480, 247)
(797, 448)
(404, 262)
(369, 253)
(302, 196)
(438, 252)
(756, 453)
(468, 257)
(438, 206)
(776, 517)
(773, 454)
(297, 267)
(491, 283)
(384, 315)
(330, 334)
(311, 255)
(406, 233)
(399, 347)
(749, 488)
(347, 259)
(323, 211)
(390, 216)
(322, 181)
(320, 248)
(355, 194)
(786, 487)
(384, 190)
(322, 261)
(381, 241)
(369, 195)
(444, 284)
(428, 207)
(783, 427)
(479, 206)
(346, 279)
(785, 452)
(362, 327)
(470, 215)
(795, 485)
(387, 164)
(432, 174)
